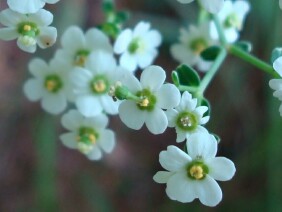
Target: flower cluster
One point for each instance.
(27, 22)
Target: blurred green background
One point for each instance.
(37, 173)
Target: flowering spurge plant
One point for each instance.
(192, 42)
(50, 85)
(77, 46)
(28, 6)
(138, 47)
(187, 118)
(28, 29)
(212, 6)
(232, 17)
(147, 99)
(92, 84)
(192, 175)
(87, 135)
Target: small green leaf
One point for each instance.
(277, 52)
(244, 45)
(121, 17)
(108, 7)
(205, 102)
(187, 76)
(175, 78)
(210, 54)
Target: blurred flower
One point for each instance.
(213, 6)
(192, 42)
(153, 97)
(28, 6)
(280, 4)
(88, 135)
(187, 117)
(29, 29)
(193, 175)
(92, 84)
(77, 46)
(138, 46)
(50, 85)
(231, 17)
(276, 84)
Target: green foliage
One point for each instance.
(185, 75)
(211, 53)
(205, 102)
(244, 45)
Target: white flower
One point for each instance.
(88, 135)
(154, 96)
(28, 6)
(48, 85)
(92, 84)
(276, 84)
(231, 17)
(192, 42)
(77, 46)
(187, 117)
(193, 175)
(213, 6)
(138, 47)
(29, 30)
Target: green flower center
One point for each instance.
(198, 45)
(86, 138)
(53, 83)
(197, 170)
(99, 85)
(187, 121)
(81, 57)
(28, 29)
(147, 100)
(232, 21)
(135, 45)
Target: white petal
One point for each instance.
(42, 17)
(185, 1)
(200, 111)
(181, 188)
(47, 37)
(51, 1)
(128, 61)
(109, 106)
(54, 103)
(33, 89)
(25, 6)
(97, 40)
(153, 77)
(130, 115)
(187, 103)
(8, 34)
(107, 140)
(73, 39)
(153, 37)
(213, 6)
(173, 159)
(277, 65)
(123, 41)
(100, 62)
(72, 120)
(231, 35)
(221, 168)
(204, 120)
(171, 115)
(29, 49)
(162, 176)
(95, 154)
(38, 67)
(168, 96)
(88, 105)
(208, 191)
(10, 18)
(181, 135)
(147, 58)
(69, 140)
(202, 144)
(97, 122)
(141, 29)
(131, 82)
(80, 77)
(156, 121)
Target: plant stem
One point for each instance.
(190, 89)
(236, 51)
(212, 72)
(220, 31)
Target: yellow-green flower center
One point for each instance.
(232, 21)
(28, 29)
(87, 138)
(100, 85)
(147, 100)
(135, 45)
(81, 57)
(198, 45)
(53, 83)
(187, 121)
(197, 170)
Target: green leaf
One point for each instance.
(244, 45)
(108, 7)
(175, 78)
(205, 102)
(277, 52)
(121, 17)
(187, 76)
(210, 54)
